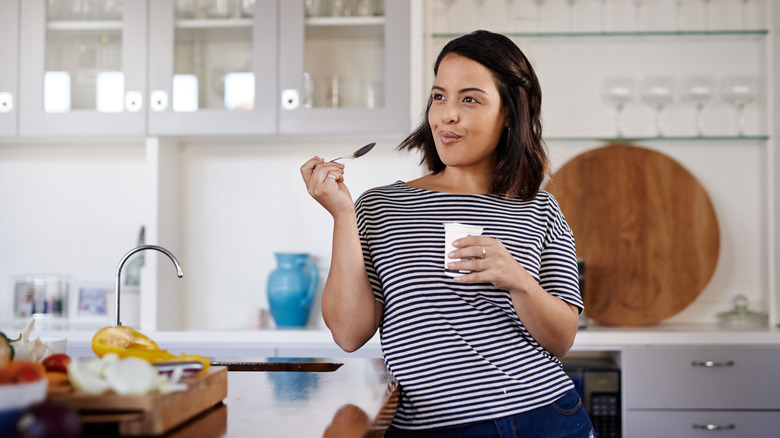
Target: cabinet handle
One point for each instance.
(712, 363)
(714, 426)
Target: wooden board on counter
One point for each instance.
(645, 228)
(154, 413)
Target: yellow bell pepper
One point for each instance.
(128, 342)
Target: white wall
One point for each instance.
(243, 202)
(71, 209)
(75, 209)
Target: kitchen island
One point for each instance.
(297, 397)
(672, 376)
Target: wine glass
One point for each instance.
(677, 13)
(448, 6)
(510, 16)
(638, 12)
(698, 90)
(658, 92)
(602, 15)
(745, 14)
(618, 92)
(706, 14)
(571, 13)
(539, 4)
(481, 12)
(739, 91)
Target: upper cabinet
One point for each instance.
(204, 67)
(9, 28)
(212, 67)
(82, 67)
(344, 66)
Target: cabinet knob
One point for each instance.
(158, 100)
(714, 426)
(134, 101)
(712, 363)
(6, 102)
(290, 99)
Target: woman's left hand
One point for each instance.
(490, 262)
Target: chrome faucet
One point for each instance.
(127, 256)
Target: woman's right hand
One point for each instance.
(325, 183)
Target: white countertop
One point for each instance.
(318, 342)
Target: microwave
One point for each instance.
(598, 383)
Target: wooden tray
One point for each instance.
(150, 414)
(646, 229)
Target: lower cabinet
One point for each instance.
(720, 424)
(696, 391)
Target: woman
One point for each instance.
(477, 354)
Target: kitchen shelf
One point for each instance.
(662, 139)
(632, 34)
(221, 23)
(84, 25)
(346, 21)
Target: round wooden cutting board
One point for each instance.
(645, 228)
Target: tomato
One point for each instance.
(25, 371)
(57, 363)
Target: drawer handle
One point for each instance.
(712, 363)
(714, 427)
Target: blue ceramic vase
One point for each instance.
(291, 288)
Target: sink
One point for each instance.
(279, 364)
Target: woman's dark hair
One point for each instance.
(522, 161)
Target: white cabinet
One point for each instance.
(153, 68)
(352, 74)
(212, 74)
(692, 390)
(9, 50)
(82, 72)
(692, 423)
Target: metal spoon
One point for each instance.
(358, 153)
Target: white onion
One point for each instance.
(128, 376)
(132, 376)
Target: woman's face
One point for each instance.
(466, 114)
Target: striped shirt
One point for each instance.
(459, 351)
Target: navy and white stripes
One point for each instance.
(459, 351)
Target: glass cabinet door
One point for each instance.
(9, 28)
(212, 67)
(82, 67)
(344, 66)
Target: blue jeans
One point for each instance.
(564, 418)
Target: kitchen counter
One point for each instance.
(306, 404)
(336, 398)
(358, 389)
(319, 343)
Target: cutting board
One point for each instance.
(645, 228)
(154, 413)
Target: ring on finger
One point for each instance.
(331, 176)
(483, 251)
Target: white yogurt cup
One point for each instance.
(452, 232)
